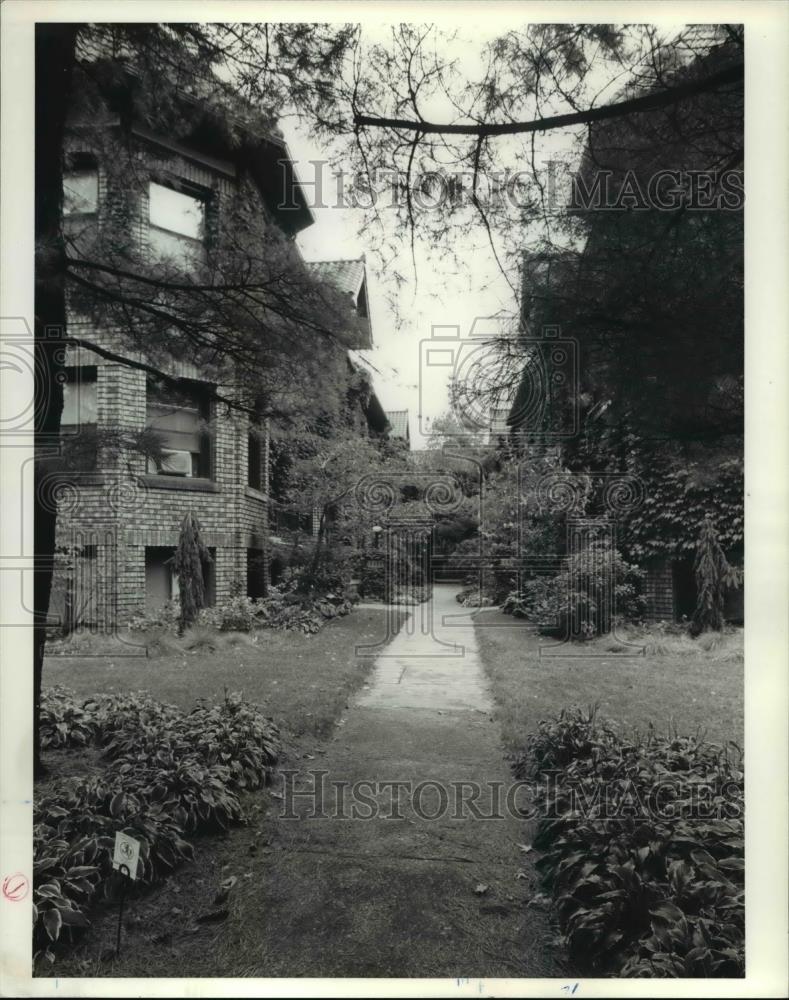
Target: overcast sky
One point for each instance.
(423, 302)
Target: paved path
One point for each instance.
(390, 896)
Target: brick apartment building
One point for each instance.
(119, 516)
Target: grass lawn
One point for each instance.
(690, 684)
(302, 681)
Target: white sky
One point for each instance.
(421, 303)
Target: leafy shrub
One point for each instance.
(169, 775)
(63, 722)
(372, 579)
(238, 614)
(283, 608)
(309, 614)
(576, 600)
(333, 574)
(165, 617)
(473, 597)
(643, 847)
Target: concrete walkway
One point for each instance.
(400, 893)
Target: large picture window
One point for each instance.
(181, 418)
(177, 223)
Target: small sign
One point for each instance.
(127, 852)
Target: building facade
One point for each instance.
(120, 510)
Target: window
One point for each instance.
(254, 460)
(79, 397)
(361, 303)
(161, 580)
(80, 191)
(79, 418)
(181, 419)
(177, 223)
(256, 573)
(256, 456)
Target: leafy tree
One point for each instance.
(190, 557)
(714, 576)
(324, 478)
(449, 431)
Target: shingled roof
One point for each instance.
(348, 276)
(345, 275)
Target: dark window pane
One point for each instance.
(180, 419)
(254, 462)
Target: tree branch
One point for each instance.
(173, 380)
(649, 102)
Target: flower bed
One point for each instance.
(169, 775)
(280, 610)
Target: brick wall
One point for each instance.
(124, 510)
(659, 591)
(121, 509)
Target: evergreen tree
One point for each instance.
(190, 556)
(714, 575)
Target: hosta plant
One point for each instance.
(169, 775)
(642, 847)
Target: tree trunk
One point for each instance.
(55, 54)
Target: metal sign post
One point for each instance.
(124, 870)
(126, 859)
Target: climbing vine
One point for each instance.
(676, 504)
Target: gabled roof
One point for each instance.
(398, 422)
(345, 275)
(350, 277)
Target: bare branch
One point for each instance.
(649, 102)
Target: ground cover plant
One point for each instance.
(169, 775)
(642, 841)
(287, 609)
